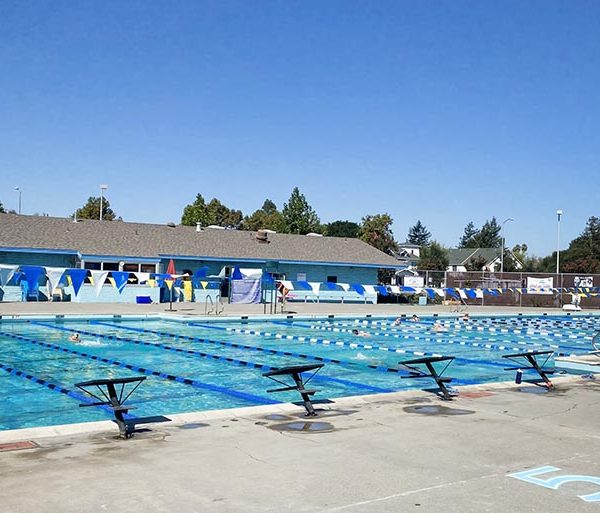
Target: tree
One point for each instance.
(469, 236)
(347, 229)
(267, 217)
(434, 257)
(91, 210)
(476, 263)
(298, 216)
(583, 254)
(375, 230)
(489, 235)
(418, 234)
(2, 211)
(213, 213)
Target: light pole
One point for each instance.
(18, 189)
(502, 254)
(102, 189)
(559, 214)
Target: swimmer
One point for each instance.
(75, 337)
(415, 318)
(466, 317)
(438, 327)
(360, 333)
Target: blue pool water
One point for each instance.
(222, 362)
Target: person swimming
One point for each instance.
(360, 333)
(438, 327)
(75, 337)
(466, 317)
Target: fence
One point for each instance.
(555, 293)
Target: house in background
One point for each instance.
(485, 259)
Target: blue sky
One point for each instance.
(444, 111)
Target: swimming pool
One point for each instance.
(195, 365)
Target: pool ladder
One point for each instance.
(214, 305)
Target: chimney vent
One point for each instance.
(262, 237)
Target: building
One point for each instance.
(148, 248)
(486, 259)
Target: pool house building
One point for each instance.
(134, 257)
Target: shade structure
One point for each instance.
(171, 267)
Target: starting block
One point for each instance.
(108, 396)
(531, 359)
(428, 361)
(295, 372)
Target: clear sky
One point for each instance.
(446, 111)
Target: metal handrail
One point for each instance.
(208, 297)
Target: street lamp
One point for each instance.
(18, 189)
(102, 189)
(502, 254)
(559, 214)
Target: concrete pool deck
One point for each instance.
(406, 451)
(380, 456)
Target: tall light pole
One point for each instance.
(559, 214)
(18, 189)
(502, 254)
(103, 187)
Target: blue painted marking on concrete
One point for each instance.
(198, 384)
(553, 483)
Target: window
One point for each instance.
(93, 266)
(301, 277)
(148, 268)
(131, 268)
(332, 279)
(110, 266)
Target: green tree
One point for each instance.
(418, 234)
(583, 254)
(489, 236)
(476, 263)
(375, 230)
(298, 216)
(213, 213)
(469, 238)
(433, 257)
(2, 211)
(346, 229)
(91, 210)
(267, 217)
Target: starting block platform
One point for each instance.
(298, 383)
(106, 394)
(529, 361)
(432, 372)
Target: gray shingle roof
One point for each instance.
(461, 256)
(117, 238)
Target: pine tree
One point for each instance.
(91, 210)
(298, 216)
(418, 234)
(469, 238)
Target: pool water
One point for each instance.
(223, 361)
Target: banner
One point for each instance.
(583, 282)
(120, 278)
(54, 275)
(77, 278)
(540, 285)
(6, 273)
(413, 281)
(245, 291)
(32, 276)
(98, 277)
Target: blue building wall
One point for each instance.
(41, 259)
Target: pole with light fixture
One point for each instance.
(502, 254)
(18, 189)
(559, 214)
(102, 189)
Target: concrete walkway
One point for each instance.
(379, 456)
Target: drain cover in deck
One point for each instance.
(435, 409)
(304, 427)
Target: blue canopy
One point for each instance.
(237, 274)
(32, 275)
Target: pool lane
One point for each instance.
(263, 367)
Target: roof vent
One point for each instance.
(216, 227)
(262, 236)
(171, 224)
(312, 234)
(198, 226)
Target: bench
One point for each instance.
(295, 372)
